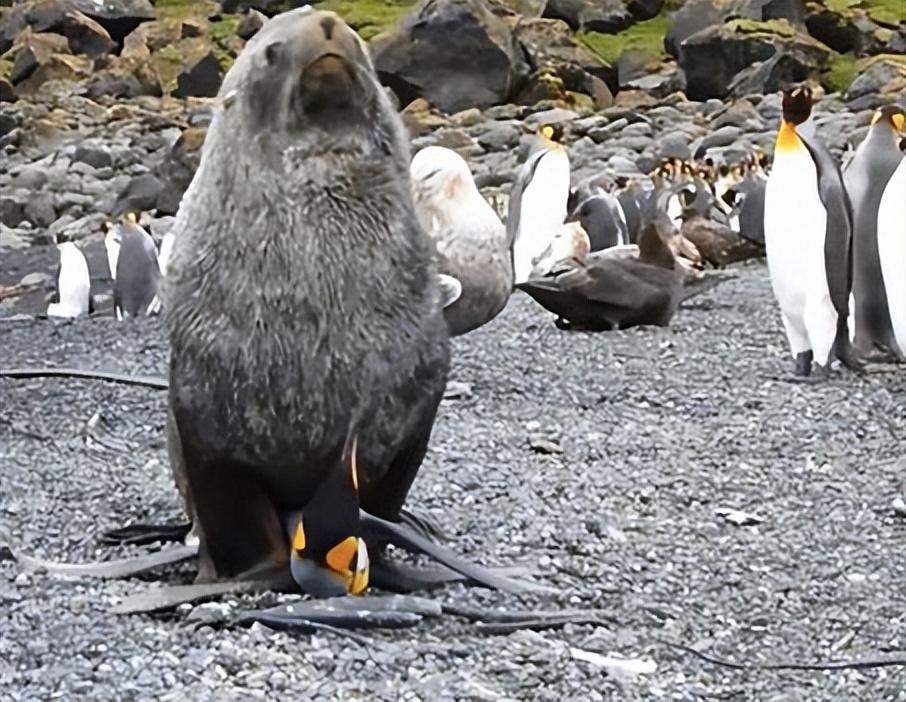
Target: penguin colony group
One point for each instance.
(313, 484)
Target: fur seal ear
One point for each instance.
(273, 53)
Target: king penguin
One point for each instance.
(867, 176)
(134, 268)
(892, 251)
(73, 293)
(808, 233)
(538, 201)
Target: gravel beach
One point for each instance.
(663, 433)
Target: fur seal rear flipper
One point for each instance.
(115, 569)
(147, 381)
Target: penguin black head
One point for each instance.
(903, 145)
(328, 557)
(797, 104)
(894, 115)
(551, 132)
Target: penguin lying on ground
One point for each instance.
(613, 289)
(471, 242)
(808, 233)
(134, 270)
(866, 177)
(72, 297)
(537, 205)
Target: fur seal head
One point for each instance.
(307, 80)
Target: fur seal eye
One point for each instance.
(273, 52)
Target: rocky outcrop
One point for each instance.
(712, 57)
(454, 53)
(552, 51)
(608, 16)
(881, 76)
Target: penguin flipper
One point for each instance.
(838, 234)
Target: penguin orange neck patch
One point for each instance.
(787, 138)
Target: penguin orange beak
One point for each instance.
(344, 570)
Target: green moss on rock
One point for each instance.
(774, 27)
(369, 17)
(841, 70)
(645, 36)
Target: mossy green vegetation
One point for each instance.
(645, 36)
(887, 11)
(224, 28)
(775, 27)
(168, 63)
(840, 72)
(842, 69)
(369, 17)
(884, 11)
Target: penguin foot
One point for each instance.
(140, 534)
(803, 367)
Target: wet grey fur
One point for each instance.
(301, 294)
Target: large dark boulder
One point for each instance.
(607, 16)
(697, 15)
(550, 45)
(879, 76)
(712, 57)
(454, 53)
(778, 72)
(125, 77)
(199, 78)
(92, 26)
(268, 7)
(645, 9)
(85, 35)
(119, 17)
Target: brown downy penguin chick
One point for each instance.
(718, 244)
(309, 352)
(612, 290)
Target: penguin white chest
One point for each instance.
(795, 228)
(795, 225)
(892, 250)
(73, 285)
(543, 209)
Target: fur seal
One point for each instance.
(309, 352)
(472, 244)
